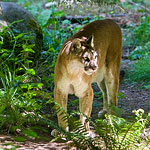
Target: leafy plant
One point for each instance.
(120, 134)
(141, 71)
(17, 83)
(140, 52)
(138, 40)
(111, 133)
(139, 35)
(54, 36)
(9, 100)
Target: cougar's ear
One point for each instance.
(76, 45)
(66, 47)
(90, 41)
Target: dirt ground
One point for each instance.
(135, 96)
(7, 143)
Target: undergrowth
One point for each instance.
(141, 72)
(139, 42)
(112, 133)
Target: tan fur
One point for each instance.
(69, 71)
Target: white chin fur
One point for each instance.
(89, 73)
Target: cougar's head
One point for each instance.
(84, 50)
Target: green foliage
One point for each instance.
(17, 83)
(119, 134)
(19, 139)
(140, 52)
(49, 19)
(12, 52)
(9, 100)
(138, 35)
(14, 101)
(141, 71)
(113, 132)
(30, 133)
(54, 36)
(139, 41)
(141, 32)
(21, 97)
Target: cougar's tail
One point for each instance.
(121, 76)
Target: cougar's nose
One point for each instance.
(86, 68)
(94, 67)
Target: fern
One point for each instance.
(79, 134)
(111, 133)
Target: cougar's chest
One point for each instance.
(76, 78)
(74, 68)
(75, 72)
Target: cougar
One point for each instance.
(93, 54)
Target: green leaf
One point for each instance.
(28, 50)
(2, 108)
(31, 71)
(19, 139)
(66, 22)
(4, 55)
(44, 16)
(29, 61)
(10, 143)
(19, 36)
(147, 86)
(40, 85)
(121, 95)
(30, 133)
(26, 4)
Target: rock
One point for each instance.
(19, 20)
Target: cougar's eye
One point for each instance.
(87, 59)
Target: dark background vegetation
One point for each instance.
(26, 92)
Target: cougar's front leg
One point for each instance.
(61, 100)
(85, 105)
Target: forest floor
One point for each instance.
(134, 98)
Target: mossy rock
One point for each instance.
(19, 21)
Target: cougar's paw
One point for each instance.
(91, 134)
(102, 113)
(54, 133)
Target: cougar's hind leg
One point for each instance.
(112, 85)
(102, 86)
